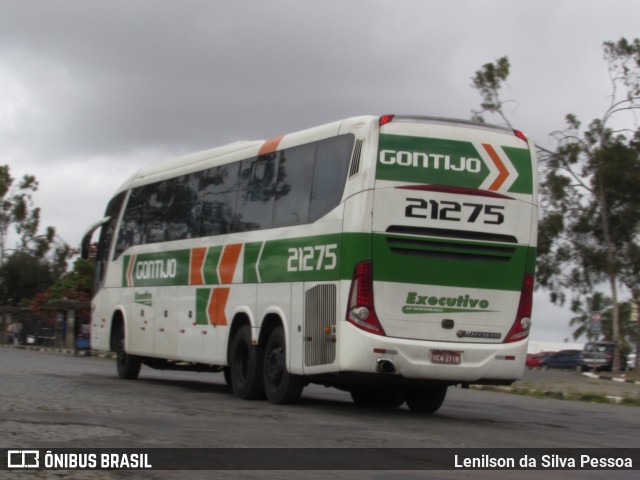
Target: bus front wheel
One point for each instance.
(128, 365)
(280, 386)
(245, 366)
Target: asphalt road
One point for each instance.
(50, 400)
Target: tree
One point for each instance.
(74, 285)
(488, 81)
(37, 259)
(603, 306)
(17, 209)
(15, 201)
(590, 188)
(585, 310)
(23, 275)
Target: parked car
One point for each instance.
(631, 361)
(534, 359)
(563, 359)
(599, 356)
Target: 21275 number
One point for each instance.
(454, 211)
(312, 258)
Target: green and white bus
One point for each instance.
(391, 257)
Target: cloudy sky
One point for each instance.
(90, 91)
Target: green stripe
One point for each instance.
(158, 269)
(211, 265)
(396, 258)
(356, 248)
(521, 159)
(445, 162)
(301, 259)
(436, 171)
(202, 300)
(451, 263)
(251, 252)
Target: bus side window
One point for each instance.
(179, 221)
(159, 198)
(132, 226)
(257, 193)
(217, 192)
(106, 236)
(329, 174)
(293, 191)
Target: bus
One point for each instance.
(387, 256)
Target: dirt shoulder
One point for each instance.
(573, 385)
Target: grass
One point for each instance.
(633, 375)
(572, 396)
(633, 402)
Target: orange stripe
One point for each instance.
(217, 305)
(197, 260)
(270, 146)
(132, 260)
(503, 172)
(228, 262)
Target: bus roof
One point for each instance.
(455, 122)
(245, 149)
(230, 152)
(168, 168)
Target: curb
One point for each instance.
(66, 351)
(614, 379)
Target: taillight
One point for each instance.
(360, 311)
(384, 119)
(520, 329)
(520, 135)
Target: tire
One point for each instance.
(280, 386)
(245, 366)
(425, 400)
(128, 365)
(378, 397)
(227, 376)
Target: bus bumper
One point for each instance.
(468, 363)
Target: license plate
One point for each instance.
(446, 356)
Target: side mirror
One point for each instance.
(86, 239)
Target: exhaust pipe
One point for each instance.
(385, 365)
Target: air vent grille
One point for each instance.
(319, 325)
(355, 160)
(446, 244)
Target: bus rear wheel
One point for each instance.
(128, 365)
(280, 386)
(245, 366)
(425, 400)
